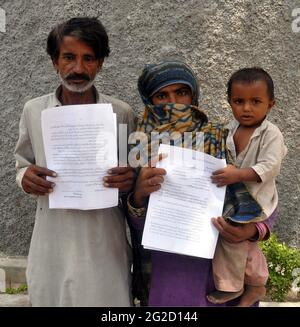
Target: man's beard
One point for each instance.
(73, 87)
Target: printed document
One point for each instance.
(179, 214)
(80, 145)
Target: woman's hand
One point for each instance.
(148, 181)
(234, 234)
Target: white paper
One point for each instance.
(80, 146)
(179, 214)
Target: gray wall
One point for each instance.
(214, 37)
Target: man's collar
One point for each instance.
(57, 96)
(58, 92)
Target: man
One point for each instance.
(76, 258)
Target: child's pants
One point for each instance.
(236, 264)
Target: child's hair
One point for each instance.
(250, 75)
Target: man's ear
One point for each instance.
(54, 62)
(100, 64)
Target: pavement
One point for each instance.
(14, 300)
(12, 275)
(22, 300)
(279, 304)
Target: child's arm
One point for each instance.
(272, 151)
(231, 175)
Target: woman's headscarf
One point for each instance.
(156, 76)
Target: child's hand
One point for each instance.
(226, 176)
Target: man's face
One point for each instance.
(77, 65)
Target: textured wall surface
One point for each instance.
(214, 37)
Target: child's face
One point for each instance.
(250, 102)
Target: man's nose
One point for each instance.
(78, 67)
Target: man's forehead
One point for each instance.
(73, 44)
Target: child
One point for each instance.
(257, 147)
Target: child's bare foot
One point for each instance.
(219, 297)
(251, 295)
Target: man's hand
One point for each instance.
(34, 180)
(226, 176)
(121, 178)
(234, 234)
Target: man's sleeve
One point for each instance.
(131, 121)
(23, 152)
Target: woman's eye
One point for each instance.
(160, 96)
(183, 93)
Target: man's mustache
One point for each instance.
(77, 77)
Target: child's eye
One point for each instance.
(237, 101)
(256, 101)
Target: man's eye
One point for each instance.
(68, 57)
(89, 58)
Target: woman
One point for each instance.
(170, 92)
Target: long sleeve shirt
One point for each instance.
(76, 257)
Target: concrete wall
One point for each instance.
(214, 37)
